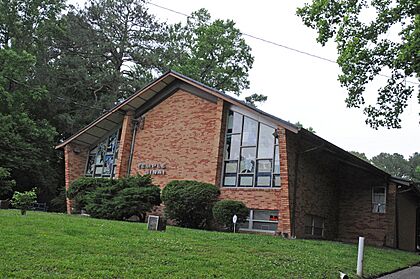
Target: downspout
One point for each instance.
(133, 140)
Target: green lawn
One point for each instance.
(47, 245)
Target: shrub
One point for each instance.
(224, 210)
(116, 199)
(24, 200)
(6, 184)
(189, 203)
(79, 189)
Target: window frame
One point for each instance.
(276, 151)
(379, 204)
(250, 219)
(312, 226)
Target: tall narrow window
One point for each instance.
(102, 158)
(379, 199)
(314, 225)
(251, 153)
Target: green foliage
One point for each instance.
(116, 199)
(255, 98)
(360, 155)
(189, 202)
(6, 184)
(74, 247)
(212, 52)
(366, 50)
(414, 162)
(310, 129)
(24, 200)
(224, 210)
(79, 189)
(394, 164)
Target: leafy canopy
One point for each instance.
(366, 50)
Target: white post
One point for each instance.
(360, 256)
(234, 219)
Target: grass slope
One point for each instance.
(47, 245)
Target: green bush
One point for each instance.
(79, 189)
(224, 210)
(116, 199)
(24, 201)
(189, 203)
(6, 184)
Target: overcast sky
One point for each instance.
(299, 87)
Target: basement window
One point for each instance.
(261, 220)
(314, 225)
(379, 199)
(251, 154)
(102, 158)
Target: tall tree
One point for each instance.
(360, 155)
(366, 50)
(414, 162)
(212, 52)
(394, 164)
(106, 51)
(27, 138)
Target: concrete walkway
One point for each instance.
(408, 273)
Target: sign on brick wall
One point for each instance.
(154, 168)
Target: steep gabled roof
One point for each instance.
(111, 119)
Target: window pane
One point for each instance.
(276, 182)
(244, 225)
(108, 164)
(249, 135)
(308, 220)
(232, 147)
(264, 226)
(276, 160)
(318, 222)
(247, 160)
(308, 230)
(231, 167)
(111, 142)
(90, 166)
(98, 170)
(266, 142)
(318, 231)
(265, 215)
(234, 122)
(264, 166)
(230, 181)
(263, 181)
(246, 180)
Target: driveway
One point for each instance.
(408, 273)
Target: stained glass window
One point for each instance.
(102, 158)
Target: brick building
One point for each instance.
(295, 183)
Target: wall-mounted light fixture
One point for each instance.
(76, 150)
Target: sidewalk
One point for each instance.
(408, 273)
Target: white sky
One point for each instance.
(299, 87)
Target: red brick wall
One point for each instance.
(124, 145)
(181, 132)
(355, 212)
(340, 193)
(75, 164)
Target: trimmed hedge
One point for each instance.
(224, 210)
(116, 199)
(189, 202)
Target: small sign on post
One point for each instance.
(234, 219)
(156, 223)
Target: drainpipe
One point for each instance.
(133, 140)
